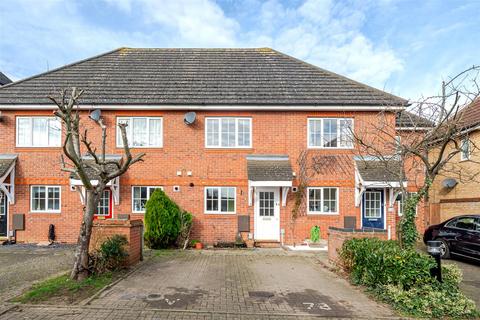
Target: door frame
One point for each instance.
(110, 204)
(256, 211)
(384, 207)
(6, 213)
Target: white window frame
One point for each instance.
(109, 204)
(310, 143)
(400, 205)
(465, 141)
(219, 200)
(130, 136)
(337, 200)
(148, 196)
(31, 145)
(219, 146)
(46, 199)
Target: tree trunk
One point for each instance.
(80, 267)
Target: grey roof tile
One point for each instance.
(269, 168)
(259, 76)
(4, 79)
(91, 173)
(405, 119)
(383, 171)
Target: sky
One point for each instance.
(404, 47)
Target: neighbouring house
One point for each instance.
(222, 129)
(4, 79)
(456, 191)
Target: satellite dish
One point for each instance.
(95, 115)
(189, 118)
(449, 183)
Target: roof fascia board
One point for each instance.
(351, 108)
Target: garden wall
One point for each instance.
(336, 237)
(132, 229)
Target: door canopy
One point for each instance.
(7, 176)
(269, 171)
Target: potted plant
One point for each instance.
(196, 244)
(314, 237)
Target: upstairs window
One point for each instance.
(142, 132)
(228, 132)
(330, 133)
(38, 132)
(465, 149)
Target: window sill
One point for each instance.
(46, 212)
(36, 149)
(220, 213)
(331, 148)
(323, 213)
(464, 160)
(233, 149)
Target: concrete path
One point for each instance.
(471, 278)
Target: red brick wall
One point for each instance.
(132, 229)
(336, 238)
(183, 149)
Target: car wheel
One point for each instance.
(444, 250)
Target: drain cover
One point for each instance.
(260, 294)
(154, 297)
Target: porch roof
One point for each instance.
(6, 161)
(269, 168)
(91, 174)
(376, 170)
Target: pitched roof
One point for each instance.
(91, 173)
(470, 115)
(376, 170)
(4, 79)
(261, 76)
(269, 168)
(6, 161)
(405, 119)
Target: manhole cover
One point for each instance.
(260, 294)
(154, 297)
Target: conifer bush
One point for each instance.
(162, 221)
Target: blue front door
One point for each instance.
(373, 213)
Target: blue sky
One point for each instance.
(405, 47)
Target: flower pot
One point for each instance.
(198, 246)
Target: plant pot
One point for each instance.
(198, 245)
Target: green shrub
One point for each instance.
(111, 255)
(402, 278)
(315, 234)
(162, 221)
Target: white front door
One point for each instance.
(267, 213)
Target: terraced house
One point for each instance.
(222, 129)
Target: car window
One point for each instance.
(466, 223)
(477, 224)
(451, 223)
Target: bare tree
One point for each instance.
(97, 165)
(436, 126)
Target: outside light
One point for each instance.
(434, 248)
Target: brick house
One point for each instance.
(452, 194)
(222, 129)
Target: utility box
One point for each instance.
(349, 222)
(18, 221)
(243, 223)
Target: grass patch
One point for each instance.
(62, 290)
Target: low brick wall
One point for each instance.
(336, 237)
(132, 229)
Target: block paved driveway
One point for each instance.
(223, 284)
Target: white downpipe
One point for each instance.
(389, 233)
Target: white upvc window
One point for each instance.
(330, 133)
(220, 200)
(400, 204)
(103, 207)
(228, 132)
(140, 196)
(38, 132)
(465, 149)
(142, 132)
(322, 200)
(45, 199)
